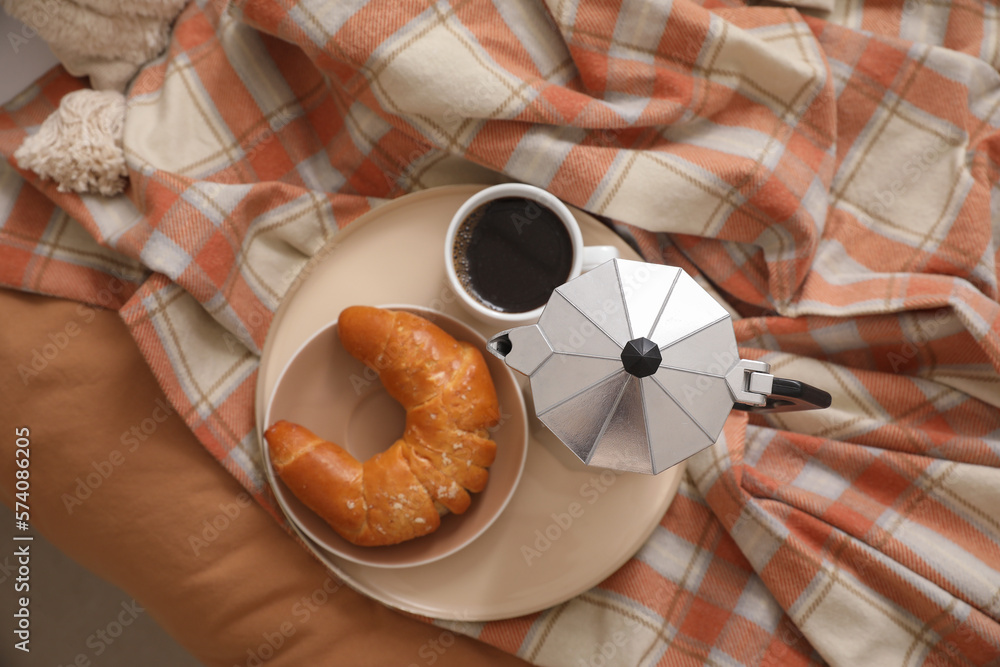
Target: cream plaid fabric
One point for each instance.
(833, 172)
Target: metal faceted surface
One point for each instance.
(583, 393)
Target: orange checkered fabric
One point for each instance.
(833, 169)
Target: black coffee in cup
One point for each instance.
(511, 253)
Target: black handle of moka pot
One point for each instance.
(790, 396)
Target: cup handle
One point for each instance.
(595, 255)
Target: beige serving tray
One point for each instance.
(567, 527)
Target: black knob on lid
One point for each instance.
(641, 357)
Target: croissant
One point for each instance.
(443, 454)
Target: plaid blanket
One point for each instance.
(833, 169)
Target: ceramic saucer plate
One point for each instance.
(326, 390)
(566, 528)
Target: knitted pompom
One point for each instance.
(80, 145)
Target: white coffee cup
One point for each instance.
(583, 258)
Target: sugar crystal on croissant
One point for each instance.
(444, 451)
